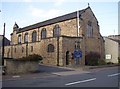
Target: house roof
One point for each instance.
(7, 42)
(52, 21)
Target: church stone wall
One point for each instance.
(66, 41)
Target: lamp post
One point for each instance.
(3, 43)
(57, 50)
(26, 49)
(58, 37)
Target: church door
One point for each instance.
(67, 58)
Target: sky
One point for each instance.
(28, 12)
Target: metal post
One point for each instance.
(78, 26)
(58, 51)
(3, 43)
(26, 49)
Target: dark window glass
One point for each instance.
(77, 45)
(89, 32)
(56, 31)
(15, 50)
(31, 48)
(26, 38)
(19, 39)
(43, 33)
(8, 53)
(34, 36)
(22, 49)
(50, 48)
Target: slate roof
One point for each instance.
(7, 42)
(52, 21)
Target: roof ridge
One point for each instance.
(53, 20)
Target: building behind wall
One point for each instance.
(112, 48)
(55, 39)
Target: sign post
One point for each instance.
(77, 56)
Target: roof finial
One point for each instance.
(88, 5)
(15, 26)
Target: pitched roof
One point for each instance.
(52, 21)
(7, 42)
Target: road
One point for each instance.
(103, 77)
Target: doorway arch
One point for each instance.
(67, 58)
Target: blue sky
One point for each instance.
(27, 12)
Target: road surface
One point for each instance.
(103, 77)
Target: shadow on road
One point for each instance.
(50, 69)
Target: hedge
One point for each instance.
(33, 57)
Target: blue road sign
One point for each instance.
(77, 54)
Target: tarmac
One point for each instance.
(72, 70)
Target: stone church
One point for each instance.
(56, 39)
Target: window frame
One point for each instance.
(43, 33)
(15, 50)
(50, 48)
(31, 48)
(89, 32)
(34, 36)
(26, 37)
(19, 39)
(56, 31)
(22, 49)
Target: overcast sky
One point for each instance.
(27, 12)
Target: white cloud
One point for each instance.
(45, 14)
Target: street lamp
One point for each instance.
(26, 48)
(3, 44)
(58, 36)
(57, 51)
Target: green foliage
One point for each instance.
(33, 57)
(92, 58)
(101, 62)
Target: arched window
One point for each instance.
(31, 48)
(22, 49)
(19, 39)
(43, 33)
(8, 53)
(89, 29)
(34, 36)
(56, 31)
(26, 38)
(15, 50)
(50, 48)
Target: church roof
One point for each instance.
(52, 21)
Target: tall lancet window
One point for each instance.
(89, 32)
(34, 36)
(56, 31)
(43, 33)
(19, 39)
(26, 38)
